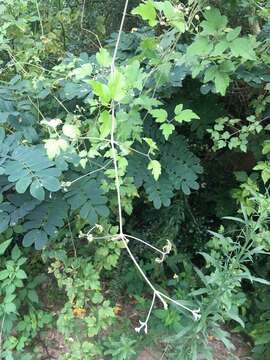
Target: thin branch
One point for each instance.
(90, 173)
(145, 243)
(72, 238)
(144, 324)
(89, 31)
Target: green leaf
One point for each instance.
(167, 130)
(147, 11)
(97, 298)
(51, 183)
(10, 308)
(134, 75)
(220, 48)
(32, 296)
(4, 274)
(71, 131)
(265, 175)
(106, 123)
(54, 146)
(4, 245)
(20, 274)
(178, 109)
(45, 221)
(86, 196)
(178, 165)
(155, 168)
(215, 22)
(104, 58)
(160, 115)
(117, 86)
(173, 14)
(82, 72)
(210, 74)
(152, 145)
(186, 116)
(260, 280)
(22, 184)
(222, 81)
(101, 90)
(37, 237)
(266, 147)
(243, 47)
(30, 165)
(233, 34)
(4, 221)
(16, 253)
(200, 47)
(37, 191)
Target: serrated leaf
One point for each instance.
(54, 146)
(20, 274)
(155, 168)
(104, 58)
(15, 253)
(243, 47)
(186, 116)
(222, 81)
(214, 23)
(167, 130)
(4, 274)
(220, 48)
(266, 175)
(106, 123)
(116, 86)
(71, 131)
(200, 47)
(147, 11)
(173, 14)
(160, 115)
(101, 90)
(4, 245)
(233, 34)
(266, 147)
(178, 165)
(82, 72)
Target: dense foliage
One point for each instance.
(134, 172)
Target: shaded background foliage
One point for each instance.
(48, 60)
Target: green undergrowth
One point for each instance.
(134, 178)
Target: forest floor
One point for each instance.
(52, 345)
(54, 348)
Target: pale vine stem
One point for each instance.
(123, 237)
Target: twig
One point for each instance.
(89, 31)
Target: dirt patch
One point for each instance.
(149, 354)
(242, 348)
